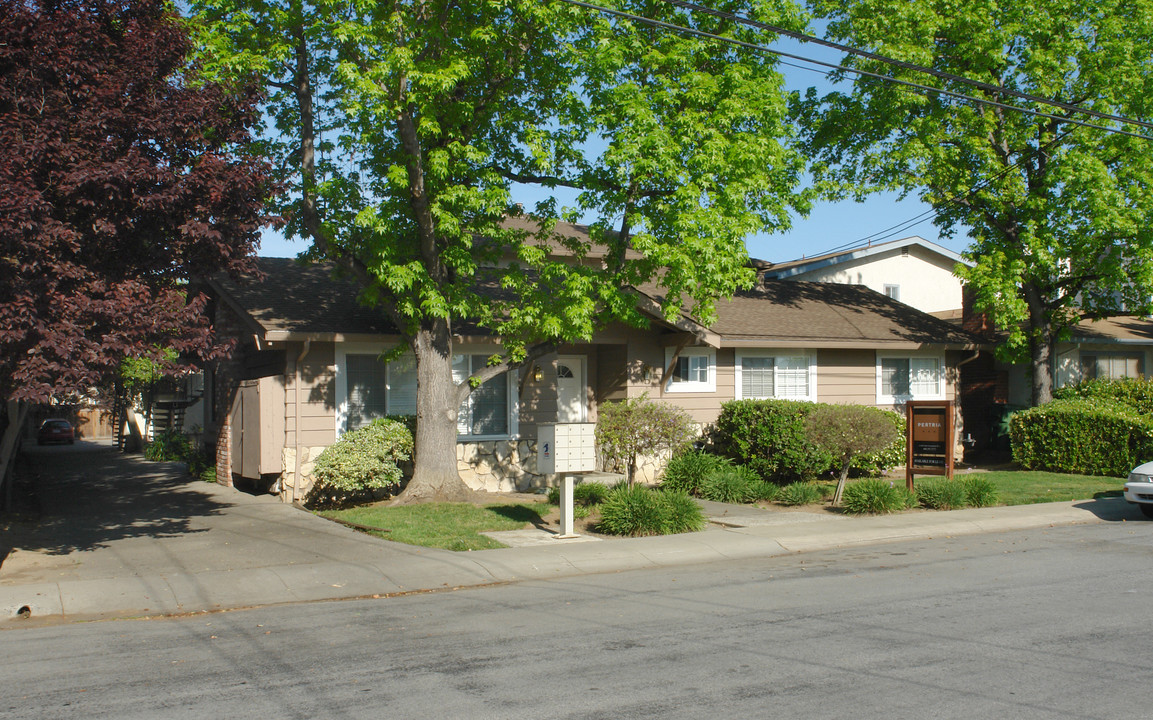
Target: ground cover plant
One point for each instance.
(451, 526)
(941, 494)
(688, 471)
(876, 496)
(800, 493)
(733, 484)
(637, 511)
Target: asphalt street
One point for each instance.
(1040, 623)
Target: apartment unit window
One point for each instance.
(1112, 366)
(374, 389)
(486, 411)
(763, 375)
(910, 378)
(694, 371)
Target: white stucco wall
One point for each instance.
(925, 278)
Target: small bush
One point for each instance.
(637, 511)
(800, 493)
(979, 492)
(629, 429)
(873, 496)
(169, 445)
(688, 471)
(941, 494)
(363, 460)
(768, 436)
(730, 485)
(208, 474)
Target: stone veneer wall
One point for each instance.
(491, 466)
(288, 481)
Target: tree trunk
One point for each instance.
(841, 482)
(1040, 348)
(435, 477)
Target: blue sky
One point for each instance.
(829, 225)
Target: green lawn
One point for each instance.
(1026, 487)
(452, 526)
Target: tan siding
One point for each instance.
(847, 377)
(318, 388)
(612, 380)
(271, 424)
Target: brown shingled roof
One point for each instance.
(1130, 328)
(299, 299)
(829, 315)
(296, 298)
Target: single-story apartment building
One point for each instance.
(308, 368)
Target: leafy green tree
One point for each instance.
(403, 129)
(1061, 215)
(848, 431)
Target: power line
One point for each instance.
(863, 73)
(988, 87)
(927, 214)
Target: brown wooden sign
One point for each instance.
(928, 439)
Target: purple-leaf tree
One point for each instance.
(120, 181)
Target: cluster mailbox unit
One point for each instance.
(566, 449)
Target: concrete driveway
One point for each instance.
(118, 535)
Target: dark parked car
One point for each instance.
(55, 431)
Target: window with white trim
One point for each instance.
(694, 371)
(768, 374)
(369, 388)
(910, 377)
(486, 410)
(1112, 365)
(893, 291)
(375, 389)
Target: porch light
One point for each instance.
(537, 373)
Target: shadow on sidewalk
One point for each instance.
(1110, 508)
(87, 495)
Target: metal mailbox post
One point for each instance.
(566, 449)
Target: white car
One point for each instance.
(1139, 488)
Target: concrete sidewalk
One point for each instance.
(120, 537)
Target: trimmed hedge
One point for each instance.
(1137, 394)
(769, 437)
(1085, 436)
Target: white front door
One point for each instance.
(570, 389)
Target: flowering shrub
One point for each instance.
(363, 460)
